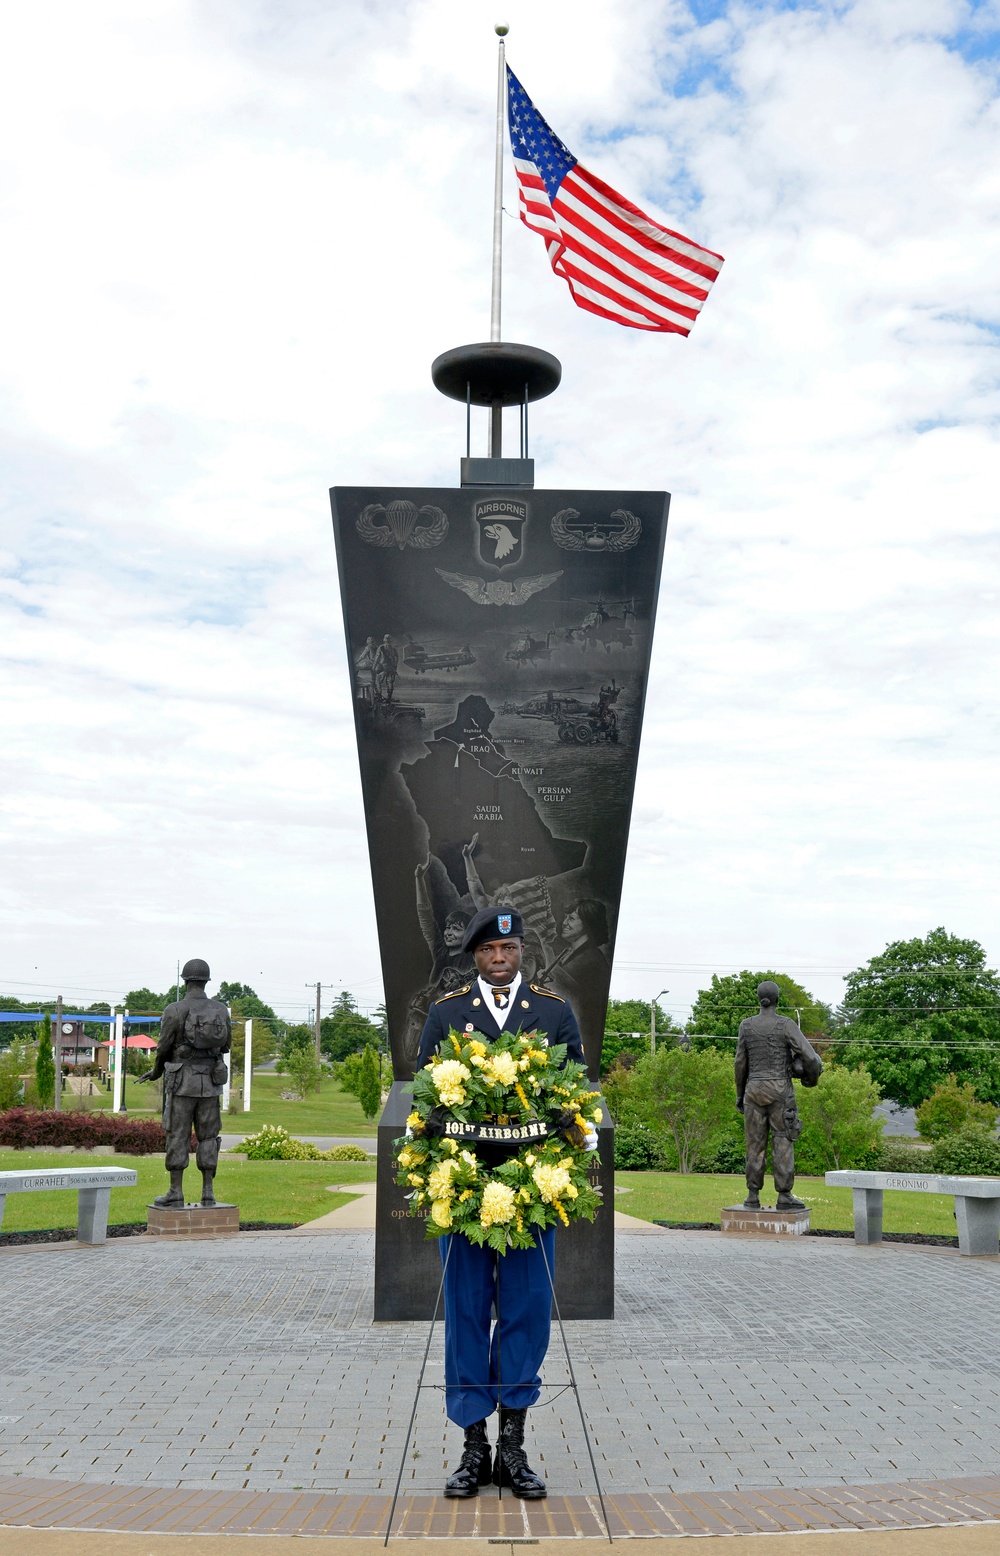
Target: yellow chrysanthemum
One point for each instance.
(470, 1160)
(497, 1206)
(439, 1184)
(598, 1116)
(416, 1180)
(441, 1213)
(530, 1160)
(551, 1181)
(501, 1069)
(448, 1078)
(477, 1049)
(414, 1121)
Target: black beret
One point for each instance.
(493, 924)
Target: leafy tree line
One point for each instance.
(922, 1010)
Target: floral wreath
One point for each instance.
(517, 1093)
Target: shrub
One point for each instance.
(638, 1149)
(901, 1156)
(13, 1064)
(29, 1129)
(951, 1107)
(265, 1146)
(359, 1074)
(970, 1152)
(273, 1143)
(690, 1095)
(839, 1124)
(730, 1157)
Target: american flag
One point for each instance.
(615, 260)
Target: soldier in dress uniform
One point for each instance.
(517, 1282)
(195, 1033)
(770, 1051)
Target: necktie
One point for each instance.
(500, 998)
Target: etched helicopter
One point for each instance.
(528, 650)
(600, 629)
(417, 659)
(579, 723)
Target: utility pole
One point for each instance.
(319, 996)
(57, 1055)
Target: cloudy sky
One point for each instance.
(234, 235)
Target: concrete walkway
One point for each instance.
(744, 1387)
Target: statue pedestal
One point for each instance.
(774, 1223)
(192, 1220)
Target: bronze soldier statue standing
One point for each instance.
(195, 1033)
(771, 1050)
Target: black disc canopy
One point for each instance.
(496, 372)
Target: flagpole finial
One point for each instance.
(501, 29)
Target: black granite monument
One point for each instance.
(499, 641)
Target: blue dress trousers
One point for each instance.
(479, 1280)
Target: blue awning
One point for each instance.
(68, 1015)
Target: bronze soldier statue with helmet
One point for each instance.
(195, 1034)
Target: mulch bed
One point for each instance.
(67, 1234)
(887, 1237)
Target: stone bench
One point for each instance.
(93, 1187)
(977, 1204)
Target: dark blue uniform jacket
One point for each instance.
(533, 1010)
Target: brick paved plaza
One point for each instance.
(253, 1363)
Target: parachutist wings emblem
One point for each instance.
(400, 527)
(619, 533)
(499, 591)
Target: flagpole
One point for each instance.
(501, 30)
(496, 407)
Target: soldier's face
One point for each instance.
(498, 960)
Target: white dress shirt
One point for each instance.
(486, 991)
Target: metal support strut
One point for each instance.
(572, 1385)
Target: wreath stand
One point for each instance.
(571, 1385)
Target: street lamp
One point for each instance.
(652, 1022)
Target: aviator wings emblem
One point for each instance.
(499, 591)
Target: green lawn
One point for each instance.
(329, 1111)
(264, 1191)
(673, 1196)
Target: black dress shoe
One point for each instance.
(511, 1467)
(474, 1465)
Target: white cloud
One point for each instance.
(233, 242)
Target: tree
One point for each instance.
(692, 1095)
(299, 1062)
(951, 1107)
(145, 1002)
(839, 1124)
(265, 1040)
(922, 1010)
(718, 1010)
(345, 1031)
(359, 1074)
(14, 1064)
(45, 1065)
(623, 1020)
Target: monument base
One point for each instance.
(776, 1223)
(192, 1220)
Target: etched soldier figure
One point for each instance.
(385, 667)
(195, 1033)
(771, 1050)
